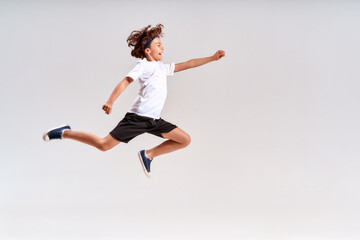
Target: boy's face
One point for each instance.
(155, 50)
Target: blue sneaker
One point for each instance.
(145, 162)
(55, 133)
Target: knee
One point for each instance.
(103, 146)
(187, 140)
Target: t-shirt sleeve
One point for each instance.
(136, 72)
(170, 69)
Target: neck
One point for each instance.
(150, 58)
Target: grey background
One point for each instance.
(274, 125)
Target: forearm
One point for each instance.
(118, 90)
(199, 61)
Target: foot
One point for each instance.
(55, 133)
(145, 162)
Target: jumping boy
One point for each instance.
(144, 115)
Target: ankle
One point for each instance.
(65, 133)
(149, 154)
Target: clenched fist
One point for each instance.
(219, 54)
(107, 108)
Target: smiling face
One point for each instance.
(154, 51)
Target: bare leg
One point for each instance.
(177, 139)
(102, 144)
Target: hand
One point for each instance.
(219, 54)
(107, 108)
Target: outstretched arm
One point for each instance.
(198, 61)
(116, 93)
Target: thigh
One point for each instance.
(177, 135)
(110, 141)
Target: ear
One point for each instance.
(147, 50)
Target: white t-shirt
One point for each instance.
(153, 88)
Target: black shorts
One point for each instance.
(133, 125)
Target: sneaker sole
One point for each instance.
(143, 166)
(45, 135)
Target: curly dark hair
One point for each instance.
(138, 38)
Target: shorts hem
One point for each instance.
(159, 134)
(115, 137)
(170, 129)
